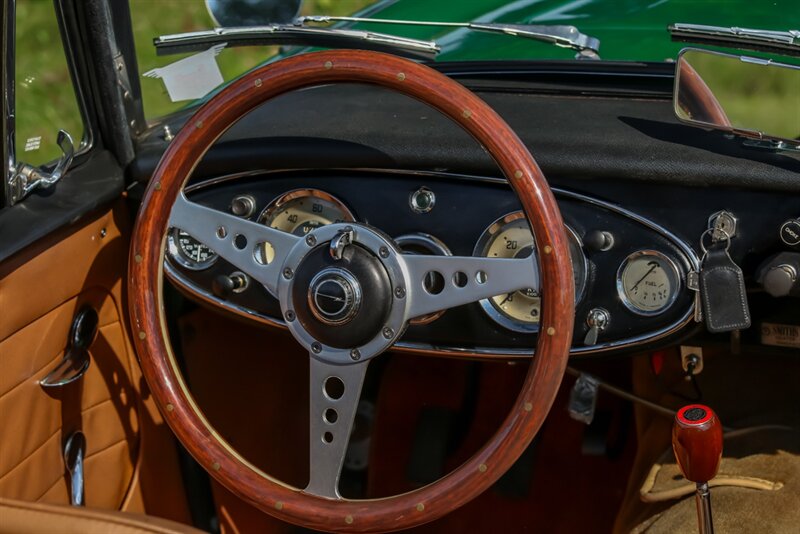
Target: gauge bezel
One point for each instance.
(177, 255)
(482, 244)
(281, 200)
(438, 248)
(674, 271)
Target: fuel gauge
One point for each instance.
(648, 282)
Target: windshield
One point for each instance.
(627, 30)
(153, 18)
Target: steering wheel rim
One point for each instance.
(149, 326)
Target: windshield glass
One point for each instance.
(153, 18)
(626, 30)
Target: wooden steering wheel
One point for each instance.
(347, 293)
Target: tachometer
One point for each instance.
(648, 282)
(188, 251)
(511, 237)
(300, 211)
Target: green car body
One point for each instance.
(629, 30)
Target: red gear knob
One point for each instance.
(697, 442)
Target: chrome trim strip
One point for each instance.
(689, 258)
(189, 289)
(7, 28)
(301, 193)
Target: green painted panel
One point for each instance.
(629, 30)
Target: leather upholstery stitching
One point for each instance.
(50, 362)
(105, 292)
(742, 302)
(85, 460)
(48, 439)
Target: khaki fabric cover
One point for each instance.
(757, 488)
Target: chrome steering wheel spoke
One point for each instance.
(238, 241)
(463, 279)
(334, 392)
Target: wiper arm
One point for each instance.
(284, 34)
(782, 42)
(563, 36)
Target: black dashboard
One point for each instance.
(635, 187)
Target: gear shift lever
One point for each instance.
(697, 444)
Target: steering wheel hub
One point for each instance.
(344, 304)
(334, 296)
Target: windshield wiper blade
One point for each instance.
(782, 42)
(563, 36)
(283, 34)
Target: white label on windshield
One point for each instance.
(33, 143)
(192, 77)
(780, 335)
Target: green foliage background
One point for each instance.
(152, 18)
(45, 100)
(753, 97)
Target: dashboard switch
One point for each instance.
(780, 275)
(422, 200)
(597, 320)
(599, 241)
(243, 206)
(790, 233)
(780, 280)
(224, 286)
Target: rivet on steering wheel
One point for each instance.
(394, 281)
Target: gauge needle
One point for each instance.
(508, 297)
(332, 297)
(653, 266)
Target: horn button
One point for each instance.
(341, 302)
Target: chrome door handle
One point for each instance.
(74, 453)
(76, 359)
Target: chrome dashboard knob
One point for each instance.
(780, 280)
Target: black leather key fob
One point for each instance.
(722, 292)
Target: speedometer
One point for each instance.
(511, 237)
(300, 211)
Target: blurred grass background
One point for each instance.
(45, 100)
(754, 97)
(152, 18)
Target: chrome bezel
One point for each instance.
(433, 244)
(280, 202)
(352, 284)
(480, 250)
(373, 242)
(672, 270)
(176, 253)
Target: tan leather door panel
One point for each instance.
(40, 292)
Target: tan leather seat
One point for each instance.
(18, 517)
